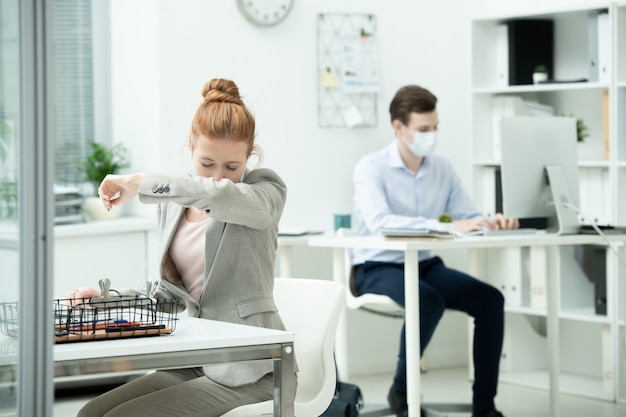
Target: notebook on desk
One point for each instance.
(296, 231)
(417, 233)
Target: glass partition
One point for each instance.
(25, 212)
(9, 233)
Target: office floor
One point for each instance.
(453, 386)
(447, 385)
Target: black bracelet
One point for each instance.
(115, 291)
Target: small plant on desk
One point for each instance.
(445, 222)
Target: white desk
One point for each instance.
(284, 254)
(410, 247)
(194, 342)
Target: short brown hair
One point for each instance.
(411, 99)
(223, 115)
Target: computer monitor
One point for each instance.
(540, 167)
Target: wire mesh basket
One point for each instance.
(8, 319)
(79, 320)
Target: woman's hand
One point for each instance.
(117, 189)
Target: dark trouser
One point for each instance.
(439, 288)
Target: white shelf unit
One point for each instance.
(583, 100)
(618, 123)
(587, 342)
(591, 346)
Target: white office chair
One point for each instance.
(385, 306)
(310, 308)
(374, 303)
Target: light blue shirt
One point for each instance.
(387, 194)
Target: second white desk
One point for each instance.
(411, 247)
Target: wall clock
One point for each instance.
(265, 12)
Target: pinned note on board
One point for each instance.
(352, 116)
(347, 70)
(329, 78)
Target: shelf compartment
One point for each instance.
(585, 367)
(520, 273)
(584, 104)
(570, 59)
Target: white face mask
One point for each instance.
(424, 143)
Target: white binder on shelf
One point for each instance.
(502, 106)
(607, 361)
(502, 56)
(489, 191)
(598, 46)
(592, 46)
(534, 108)
(594, 192)
(504, 277)
(604, 47)
(538, 277)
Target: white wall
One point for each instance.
(164, 51)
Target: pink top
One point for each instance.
(187, 252)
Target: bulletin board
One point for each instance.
(347, 70)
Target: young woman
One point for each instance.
(218, 230)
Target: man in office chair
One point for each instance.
(406, 185)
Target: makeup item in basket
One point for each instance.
(105, 288)
(106, 300)
(134, 328)
(99, 326)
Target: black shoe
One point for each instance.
(492, 413)
(397, 403)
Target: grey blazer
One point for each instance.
(240, 252)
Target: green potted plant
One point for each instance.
(582, 130)
(99, 162)
(445, 222)
(8, 182)
(8, 198)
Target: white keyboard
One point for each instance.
(506, 232)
